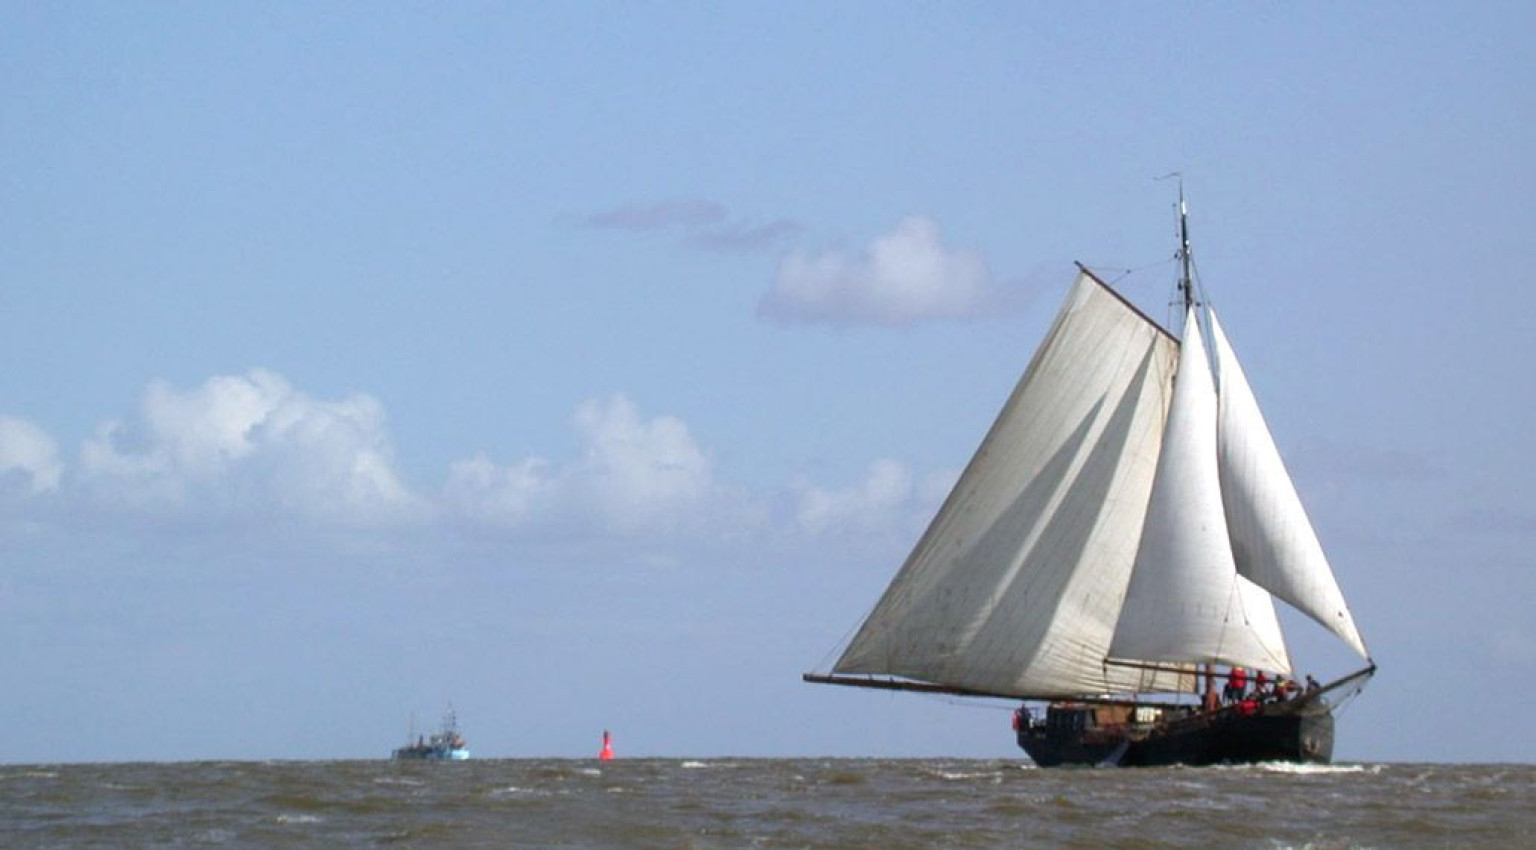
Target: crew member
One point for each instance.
(1237, 684)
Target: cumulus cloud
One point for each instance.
(633, 475)
(874, 502)
(29, 458)
(248, 444)
(250, 448)
(481, 491)
(903, 276)
(637, 468)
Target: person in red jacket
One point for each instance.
(1237, 684)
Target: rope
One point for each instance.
(841, 645)
(1124, 273)
(974, 702)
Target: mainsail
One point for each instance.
(1016, 586)
(1111, 512)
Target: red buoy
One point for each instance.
(607, 753)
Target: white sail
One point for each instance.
(1186, 602)
(1016, 585)
(1272, 541)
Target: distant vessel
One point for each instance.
(1121, 533)
(445, 745)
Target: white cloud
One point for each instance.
(877, 501)
(249, 444)
(28, 457)
(481, 491)
(904, 276)
(250, 448)
(638, 470)
(634, 475)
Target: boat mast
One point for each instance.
(1187, 289)
(1186, 280)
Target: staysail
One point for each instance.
(1016, 585)
(1273, 543)
(1185, 601)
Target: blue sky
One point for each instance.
(595, 366)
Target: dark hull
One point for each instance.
(1278, 732)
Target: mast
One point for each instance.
(1186, 286)
(1186, 280)
(1187, 289)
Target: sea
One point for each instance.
(761, 803)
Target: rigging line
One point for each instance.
(1242, 610)
(846, 640)
(1199, 284)
(1125, 272)
(1176, 299)
(971, 702)
(1347, 700)
(1235, 601)
(1226, 617)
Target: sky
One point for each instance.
(595, 365)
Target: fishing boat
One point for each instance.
(444, 745)
(1113, 552)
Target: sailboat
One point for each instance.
(1113, 550)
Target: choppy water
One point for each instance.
(767, 803)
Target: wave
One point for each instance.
(517, 791)
(961, 776)
(1296, 769)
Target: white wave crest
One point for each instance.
(956, 776)
(1312, 769)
